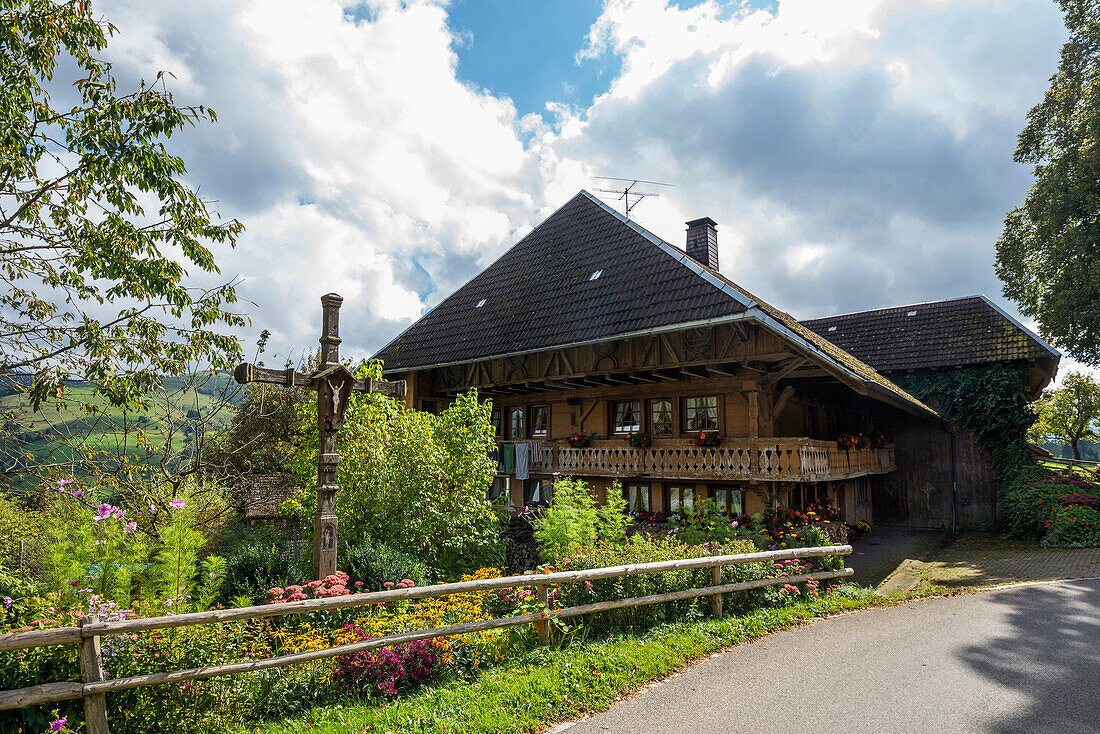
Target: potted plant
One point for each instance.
(579, 440)
(703, 438)
(638, 439)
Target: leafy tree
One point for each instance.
(412, 480)
(1047, 256)
(97, 228)
(1070, 414)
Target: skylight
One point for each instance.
(595, 275)
(480, 303)
(911, 313)
(832, 328)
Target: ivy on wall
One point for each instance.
(992, 401)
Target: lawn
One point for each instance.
(551, 684)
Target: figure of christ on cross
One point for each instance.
(334, 386)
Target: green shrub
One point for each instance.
(1028, 508)
(642, 548)
(375, 563)
(702, 523)
(1074, 526)
(256, 568)
(574, 521)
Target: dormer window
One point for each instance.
(480, 303)
(595, 275)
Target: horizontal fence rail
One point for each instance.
(88, 635)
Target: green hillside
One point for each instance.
(84, 424)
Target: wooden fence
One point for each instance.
(94, 686)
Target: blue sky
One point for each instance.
(527, 50)
(855, 153)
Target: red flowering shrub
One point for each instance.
(1027, 511)
(389, 670)
(1083, 499)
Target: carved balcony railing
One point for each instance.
(761, 459)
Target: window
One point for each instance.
(540, 420)
(701, 414)
(660, 417)
(637, 498)
(516, 426)
(537, 490)
(681, 499)
(627, 417)
(429, 406)
(496, 422)
(496, 488)
(729, 500)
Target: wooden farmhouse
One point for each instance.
(610, 354)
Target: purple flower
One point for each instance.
(78, 493)
(7, 602)
(129, 527)
(104, 511)
(120, 513)
(59, 724)
(178, 504)
(74, 583)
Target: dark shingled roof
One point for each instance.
(962, 331)
(540, 293)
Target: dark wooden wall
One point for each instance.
(919, 493)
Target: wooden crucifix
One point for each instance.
(334, 385)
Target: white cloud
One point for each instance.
(856, 153)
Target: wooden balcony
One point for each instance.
(753, 459)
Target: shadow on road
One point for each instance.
(1060, 633)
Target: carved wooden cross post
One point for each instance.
(334, 385)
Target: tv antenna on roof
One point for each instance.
(627, 194)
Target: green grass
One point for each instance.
(549, 685)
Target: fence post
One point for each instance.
(716, 600)
(544, 626)
(91, 671)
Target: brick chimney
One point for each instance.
(702, 241)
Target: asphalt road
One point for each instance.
(1024, 659)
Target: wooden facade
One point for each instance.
(590, 323)
(778, 408)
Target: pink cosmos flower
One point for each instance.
(104, 511)
(78, 493)
(178, 504)
(130, 527)
(152, 508)
(59, 724)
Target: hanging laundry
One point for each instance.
(508, 457)
(536, 452)
(522, 456)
